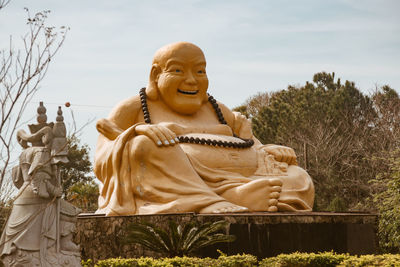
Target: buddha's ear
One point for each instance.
(152, 88)
(205, 99)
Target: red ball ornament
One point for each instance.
(67, 104)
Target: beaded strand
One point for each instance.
(196, 140)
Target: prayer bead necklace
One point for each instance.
(246, 143)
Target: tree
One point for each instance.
(78, 183)
(254, 105)
(84, 195)
(387, 199)
(21, 73)
(79, 167)
(336, 132)
(177, 240)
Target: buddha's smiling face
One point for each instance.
(183, 81)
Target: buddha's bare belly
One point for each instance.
(243, 161)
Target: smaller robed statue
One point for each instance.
(40, 227)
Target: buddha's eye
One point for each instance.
(201, 72)
(178, 70)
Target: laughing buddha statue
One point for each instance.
(173, 148)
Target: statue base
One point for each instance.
(260, 234)
(33, 258)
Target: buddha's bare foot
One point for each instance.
(223, 207)
(258, 195)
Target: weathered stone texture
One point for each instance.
(260, 234)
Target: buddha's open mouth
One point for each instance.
(188, 92)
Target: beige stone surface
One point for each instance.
(144, 169)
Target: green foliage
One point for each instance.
(326, 259)
(226, 261)
(372, 260)
(337, 204)
(243, 260)
(79, 167)
(335, 130)
(84, 195)
(78, 183)
(87, 263)
(5, 211)
(322, 259)
(387, 199)
(178, 240)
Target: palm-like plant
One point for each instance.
(177, 240)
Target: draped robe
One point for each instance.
(139, 177)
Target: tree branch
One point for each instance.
(21, 73)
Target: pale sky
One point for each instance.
(250, 47)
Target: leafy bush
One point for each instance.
(324, 259)
(226, 261)
(140, 262)
(87, 263)
(243, 260)
(372, 260)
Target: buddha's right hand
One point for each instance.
(282, 153)
(160, 134)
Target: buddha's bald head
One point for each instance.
(179, 49)
(178, 76)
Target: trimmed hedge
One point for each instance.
(373, 260)
(284, 260)
(322, 259)
(223, 260)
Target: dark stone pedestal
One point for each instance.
(260, 234)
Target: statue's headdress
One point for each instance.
(41, 118)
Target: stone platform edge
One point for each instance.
(262, 234)
(263, 217)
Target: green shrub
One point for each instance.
(223, 261)
(323, 259)
(142, 262)
(372, 260)
(189, 261)
(238, 260)
(87, 263)
(337, 204)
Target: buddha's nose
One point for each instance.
(190, 79)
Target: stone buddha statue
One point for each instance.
(173, 148)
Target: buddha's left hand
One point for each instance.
(282, 153)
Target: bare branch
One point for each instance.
(3, 3)
(21, 73)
